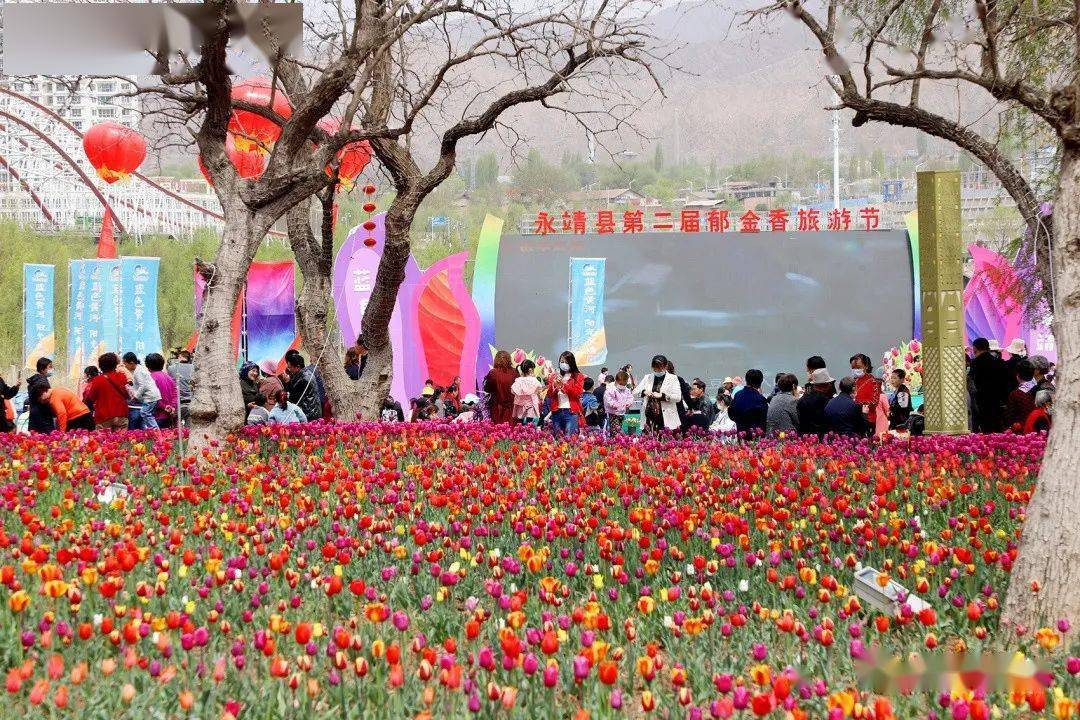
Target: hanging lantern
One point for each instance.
(253, 131)
(352, 159)
(249, 164)
(115, 151)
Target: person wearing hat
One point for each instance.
(269, 383)
(1042, 368)
(811, 406)
(468, 409)
(992, 385)
(815, 362)
(1017, 351)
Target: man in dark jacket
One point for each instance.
(303, 387)
(749, 408)
(843, 415)
(700, 410)
(992, 384)
(42, 419)
(811, 405)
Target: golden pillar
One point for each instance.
(941, 253)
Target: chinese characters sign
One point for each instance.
(139, 330)
(604, 222)
(39, 333)
(112, 307)
(587, 337)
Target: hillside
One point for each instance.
(740, 93)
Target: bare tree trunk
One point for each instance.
(1049, 552)
(217, 406)
(375, 382)
(315, 260)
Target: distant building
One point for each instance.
(94, 100)
(607, 197)
(46, 180)
(980, 192)
(702, 199)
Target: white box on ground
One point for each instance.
(881, 598)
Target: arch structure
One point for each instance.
(46, 181)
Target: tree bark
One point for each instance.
(375, 335)
(217, 406)
(313, 311)
(1049, 553)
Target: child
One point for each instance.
(617, 399)
(590, 405)
(899, 400)
(526, 391)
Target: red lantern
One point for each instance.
(352, 159)
(115, 151)
(248, 163)
(254, 131)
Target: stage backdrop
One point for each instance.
(271, 310)
(39, 331)
(715, 304)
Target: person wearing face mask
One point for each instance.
(722, 423)
(1040, 419)
(565, 388)
(867, 387)
(662, 395)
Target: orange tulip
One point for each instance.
(127, 693)
(54, 667)
(187, 699)
(60, 697)
(37, 693)
(18, 601)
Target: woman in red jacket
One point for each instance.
(867, 387)
(565, 387)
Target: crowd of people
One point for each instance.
(1006, 394)
(118, 393)
(1014, 394)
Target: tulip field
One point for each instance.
(409, 571)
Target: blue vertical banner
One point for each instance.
(78, 299)
(139, 329)
(97, 308)
(39, 330)
(110, 305)
(587, 338)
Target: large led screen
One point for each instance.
(716, 304)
